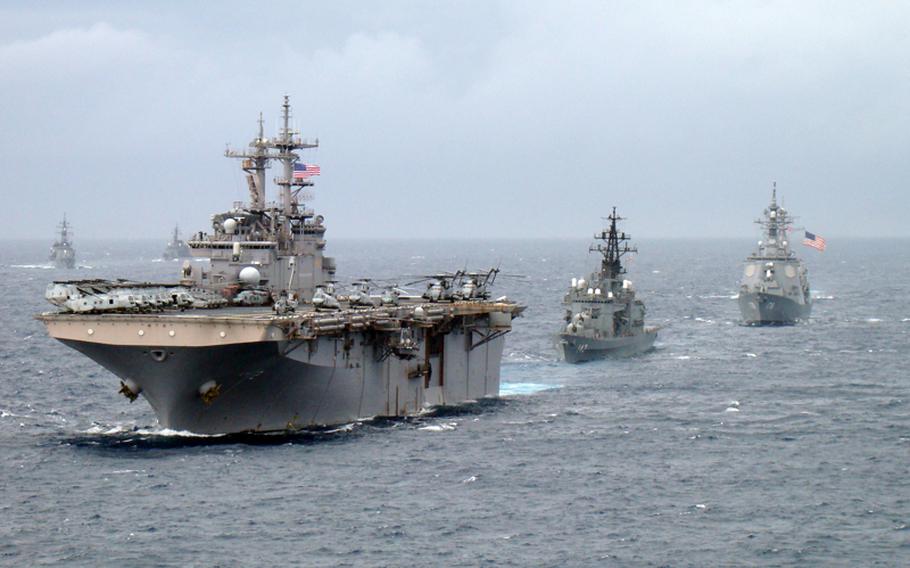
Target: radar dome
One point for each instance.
(230, 225)
(250, 276)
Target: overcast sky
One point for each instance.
(449, 119)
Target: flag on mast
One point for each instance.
(815, 241)
(303, 171)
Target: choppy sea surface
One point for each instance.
(724, 446)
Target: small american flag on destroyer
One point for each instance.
(814, 241)
(303, 171)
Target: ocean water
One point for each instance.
(724, 446)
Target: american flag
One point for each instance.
(303, 171)
(814, 241)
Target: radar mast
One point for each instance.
(262, 150)
(615, 248)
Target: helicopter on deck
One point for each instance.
(462, 285)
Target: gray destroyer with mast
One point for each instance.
(603, 317)
(259, 339)
(774, 289)
(63, 255)
(176, 248)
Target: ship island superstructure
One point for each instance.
(774, 289)
(261, 339)
(63, 255)
(176, 248)
(603, 317)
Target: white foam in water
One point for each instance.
(167, 432)
(731, 409)
(683, 357)
(751, 355)
(38, 266)
(164, 432)
(344, 428)
(873, 320)
(523, 357)
(444, 427)
(513, 389)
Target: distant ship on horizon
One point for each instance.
(63, 255)
(774, 289)
(177, 247)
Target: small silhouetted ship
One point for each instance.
(176, 248)
(63, 255)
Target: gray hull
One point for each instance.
(281, 385)
(770, 309)
(578, 349)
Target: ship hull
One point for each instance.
(579, 349)
(770, 309)
(64, 261)
(287, 385)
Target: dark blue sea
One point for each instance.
(724, 446)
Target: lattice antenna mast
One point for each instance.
(776, 219)
(64, 231)
(262, 150)
(616, 246)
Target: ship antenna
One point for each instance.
(774, 193)
(611, 265)
(286, 150)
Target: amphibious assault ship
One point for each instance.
(259, 339)
(775, 285)
(603, 317)
(63, 255)
(176, 247)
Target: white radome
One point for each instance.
(250, 276)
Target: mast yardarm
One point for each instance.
(262, 151)
(615, 248)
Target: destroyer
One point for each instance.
(176, 248)
(63, 255)
(603, 317)
(775, 286)
(260, 339)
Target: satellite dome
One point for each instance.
(250, 276)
